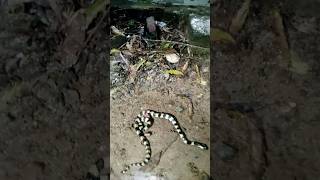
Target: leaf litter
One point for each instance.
(142, 58)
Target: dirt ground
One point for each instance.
(264, 102)
(175, 158)
(53, 117)
(265, 114)
(183, 96)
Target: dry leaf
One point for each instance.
(173, 72)
(221, 36)
(92, 11)
(114, 51)
(279, 30)
(200, 80)
(116, 31)
(240, 18)
(134, 69)
(172, 57)
(185, 67)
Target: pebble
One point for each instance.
(205, 69)
(179, 109)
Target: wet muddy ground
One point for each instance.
(53, 117)
(266, 93)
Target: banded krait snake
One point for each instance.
(144, 121)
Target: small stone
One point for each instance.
(201, 24)
(199, 96)
(179, 109)
(205, 69)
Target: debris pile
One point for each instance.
(147, 48)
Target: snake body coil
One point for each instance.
(144, 121)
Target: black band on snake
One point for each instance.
(144, 121)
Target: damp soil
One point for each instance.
(265, 113)
(182, 96)
(53, 118)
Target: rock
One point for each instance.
(179, 109)
(201, 24)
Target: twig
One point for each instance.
(124, 60)
(176, 42)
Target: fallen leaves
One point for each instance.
(133, 69)
(218, 35)
(240, 18)
(114, 51)
(74, 26)
(200, 80)
(116, 31)
(170, 55)
(92, 11)
(173, 72)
